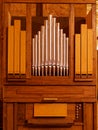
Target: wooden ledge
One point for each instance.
(50, 122)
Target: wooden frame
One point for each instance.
(20, 94)
(47, 80)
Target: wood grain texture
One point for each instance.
(63, 10)
(84, 49)
(90, 51)
(60, 10)
(23, 52)
(52, 1)
(54, 110)
(71, 41)
(29, 111)
(10, 117)
(20, 9)
(1, 36)
(88, 111)
(30, 128)
(63, 93)
(77, 53)
(10, 49)
(17, 28)
(28, 41)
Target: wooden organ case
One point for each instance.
(48, 64)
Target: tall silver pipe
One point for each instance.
(54, 46)
(50, 38)
(36, 53)
(39, 53)
(50, 43)
(64, 63)
(61, 52)
(54, 42)
(67, 66)
(33, 57)
(43, 48)
(46, 47)
(58, 46)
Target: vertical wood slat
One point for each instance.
(77, 53)
(83, 48)
(9, 116)
(39, 9)
(15, 116)
(17, 27)
(29, 111)
(71, 41)
(10, 49)
(4, 116)
(23, 53)
(90, 51)
(1, 22)
(88, 116)
(95, 117)
(29, 40)
(4, 46)
(94, 39)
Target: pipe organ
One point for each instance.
(48, 64)
(50, 50)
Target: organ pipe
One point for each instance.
(33, 57)
(39, 53)
(50, 50)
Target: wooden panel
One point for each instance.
(17, 27)
(89, 19)
(77, 53)
(17, 9)
(53, 1)
(9, 116)
(50, 122)
(28, 40)
(20, 9)
(50, 110)
(84, 49)
(15, 116)
(4, 116)
(1, 114)
(21, 112)
(29, 111)
(72, 128)
(94, 39)
(23, 128)
(23, 53)
(90, 51)
(88, 116)
(59, 10)
(63, 10)
(10, 49)
(71, 110)
(78, 8)
(62, 93)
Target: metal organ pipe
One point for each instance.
(35, 54)
(50, 50)
(42, 47)
(54, 47)
(61, 52)
(46, 48)
(39, 53)
(33, 57)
